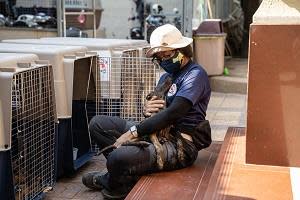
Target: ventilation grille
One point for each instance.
(33, 132)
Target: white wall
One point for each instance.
(115, 18)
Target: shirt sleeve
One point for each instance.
(194, 86)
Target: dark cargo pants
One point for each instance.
(126, 163)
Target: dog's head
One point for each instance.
(161, 90)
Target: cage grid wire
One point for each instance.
(33, 132)
(123, 82)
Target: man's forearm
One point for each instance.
(178, 108)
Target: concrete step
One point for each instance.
(226, 84)
(234, 82)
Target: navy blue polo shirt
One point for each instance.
(191, 83)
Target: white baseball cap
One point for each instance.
(166, 37)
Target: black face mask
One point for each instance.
(172, 65)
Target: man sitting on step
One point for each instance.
(186, 104)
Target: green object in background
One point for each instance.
(226, 71)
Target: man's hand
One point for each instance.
(153, 106)
(126, 137)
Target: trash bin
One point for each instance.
(209, 45)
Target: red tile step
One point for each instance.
(233, 179)
(188, 183)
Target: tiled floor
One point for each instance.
(226, 110)
(72, 188)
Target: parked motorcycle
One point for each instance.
(136, 32)
(150, 17)
(154, 20)
(2, 20)
(176, 19)
(75, 32)
(45, 21)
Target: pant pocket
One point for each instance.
(186, 152)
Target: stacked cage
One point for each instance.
(74, 85)
(125, 79)
(138, 79)
(93, 44)
(123, 76)
(126, 57)
(29, 131)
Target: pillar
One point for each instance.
(273, 115)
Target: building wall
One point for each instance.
(115, 18)
(115, 15)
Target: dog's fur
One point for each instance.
(160, 91)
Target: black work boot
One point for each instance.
(92, 180)
(115, 194)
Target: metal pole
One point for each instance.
(59, 16)
(187, 16)
(64, 18)
(183, 18)
(94, 18)
(209, 9)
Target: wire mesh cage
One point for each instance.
(124, 81)
(72, 67)
(33, 131)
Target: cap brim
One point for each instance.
(185, 41)
(150, 53)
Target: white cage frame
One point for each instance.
(30, 132)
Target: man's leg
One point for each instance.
(106, 129)
(125, 165)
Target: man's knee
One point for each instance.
(131, 160)
(120, 155)
(117, 160)
(95, 124)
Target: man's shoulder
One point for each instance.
(196, 69)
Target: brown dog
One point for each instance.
(160, 91)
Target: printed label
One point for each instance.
(104, 65)
(172, 91)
